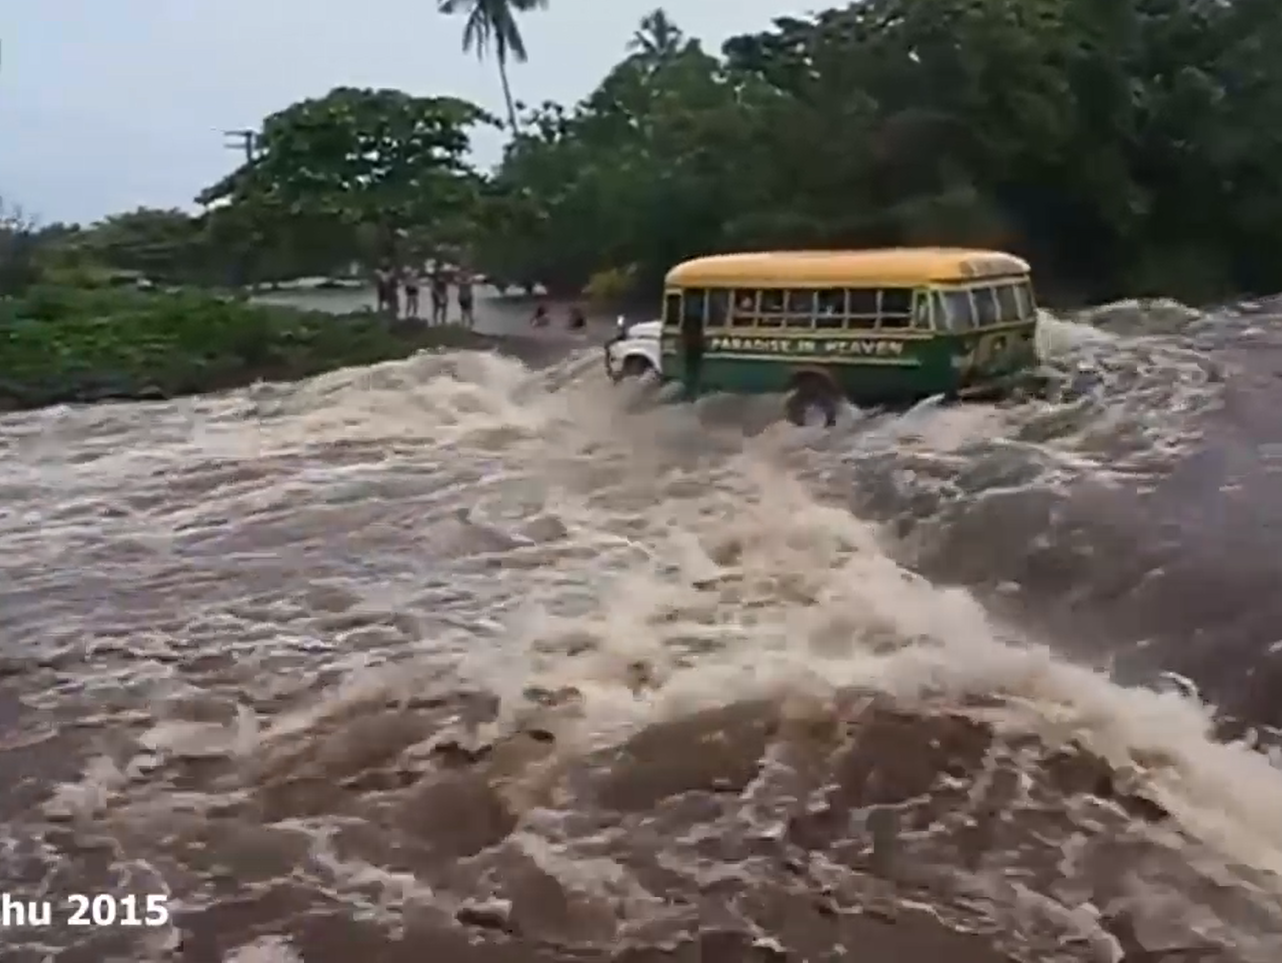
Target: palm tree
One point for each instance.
(657, 37)
(491, 24)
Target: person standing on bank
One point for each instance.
(440, 296)
(410, 280)
(388, 291)
(465, 302)
(380, 288)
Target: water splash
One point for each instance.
(448, 652)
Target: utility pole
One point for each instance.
(247, 141)
(242, 140)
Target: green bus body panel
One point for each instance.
(870, 369)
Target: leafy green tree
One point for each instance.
(1124, 145)
(630, 179)
(18, 243)
(491, 26)
(327, 165)
(160, 244)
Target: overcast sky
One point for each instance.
(106, 105)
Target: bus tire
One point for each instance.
(813, 398)
(635, 366)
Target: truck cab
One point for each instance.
(634, 351)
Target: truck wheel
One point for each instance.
(813, 402)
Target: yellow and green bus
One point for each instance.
(877, 327)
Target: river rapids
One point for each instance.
(458, 659)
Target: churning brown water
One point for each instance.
(452, 659)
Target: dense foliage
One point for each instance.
(221, 248)
(1126, 145)
(380, 159)
(66, 344)
(21, 240)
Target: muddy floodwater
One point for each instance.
(464, 659)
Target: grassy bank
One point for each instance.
(63, 344)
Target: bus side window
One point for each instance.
(672, 310)
(745, 309)
(718, 307)
(921, 310)
(772, 306)
(696, 301)
(896, 308)
(830, 306)
(862, 308)
(800, 307)
(1008, 310)
(985, 306)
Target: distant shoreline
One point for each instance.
(72, 346)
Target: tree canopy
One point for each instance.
(1125, 146)
(18, 239)
(381, 158)
(365, 155)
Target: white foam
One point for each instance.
(271, 528)
(265, 949)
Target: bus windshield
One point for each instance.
(979, 306)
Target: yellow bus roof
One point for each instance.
(906, 267)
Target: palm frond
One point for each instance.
(491, 25)
(507, 37)
(477, 32)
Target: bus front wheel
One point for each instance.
(635, 366)
(814, 401)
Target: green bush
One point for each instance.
(62, 344)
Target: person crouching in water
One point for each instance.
(466, 304)
(440, 297)
(540, 318)
(578, 320)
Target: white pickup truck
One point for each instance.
(634, 351)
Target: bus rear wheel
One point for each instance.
(814, 401)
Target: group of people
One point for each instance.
(389, 282)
